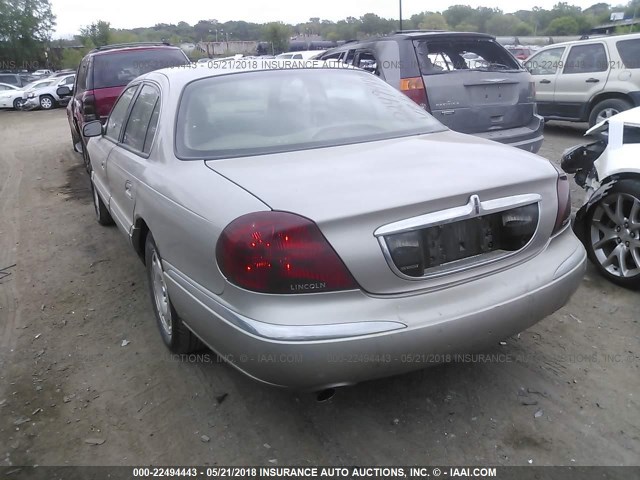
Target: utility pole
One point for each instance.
(400, 14)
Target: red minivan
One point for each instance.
(102, 75)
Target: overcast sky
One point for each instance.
(73, 14)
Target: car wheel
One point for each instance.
(102, 213)
(613, 234)
(176, 336)
(607, 109)
(46, 102)
(17, 104)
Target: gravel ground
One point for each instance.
(70, 393)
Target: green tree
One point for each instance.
(500, 24)
(277, 34)
(466, 27)
(433, 21)
(457, 14)
(98, 33)
(71, 58)
(563, 26)
(25, 30)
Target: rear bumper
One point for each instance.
(416, 331)
(527, 138)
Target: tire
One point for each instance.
(612, 234)
(102, 212)
(175, 335)
(17, 104)
(75, 138)
(47, 102)
(85, 157)
(606, 109)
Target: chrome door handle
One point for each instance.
(127, 187)
(592, 80)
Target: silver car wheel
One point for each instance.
(605, 114)
(615, 234)
(160, 295)
(46, 103)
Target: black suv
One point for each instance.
(468, 81)
(104, 73)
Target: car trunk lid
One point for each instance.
(351, 191)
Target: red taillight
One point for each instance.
(279, 252)
(564, 203)
(88, 107)
(414, 89)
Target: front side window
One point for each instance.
(138, 124)
(262, 112)
(586, 59)
(545, 63)
(119, 113)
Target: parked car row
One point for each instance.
(39, 93)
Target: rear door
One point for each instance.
(491, 92)
(129, 158)
(584, 74)
(544, 67)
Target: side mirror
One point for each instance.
(92, 129)
(63, 91)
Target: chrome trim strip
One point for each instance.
(271, 331)
(473, 208)
(456, 214)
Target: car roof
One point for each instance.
(629, 36)
(180, 76)
(127, 47)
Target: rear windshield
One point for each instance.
(10, 79)
(263, 112)
(118, 69)
(629, 52)
(452, 55)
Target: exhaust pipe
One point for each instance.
(325, 395)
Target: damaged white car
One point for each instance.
(609, 221)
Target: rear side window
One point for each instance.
(10, 79)
(586, 59)
(629, 51)
(139, 121)
(545, 63)
(455, 54)
(119, 68)
(81, 84)
(118, 114)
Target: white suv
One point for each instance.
(587, 80)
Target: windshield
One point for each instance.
(260, 112)
(34, 85)
(119, 68)
(462, 54)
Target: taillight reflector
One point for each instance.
(414, 89)
(279, 252)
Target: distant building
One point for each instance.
(609, 28)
